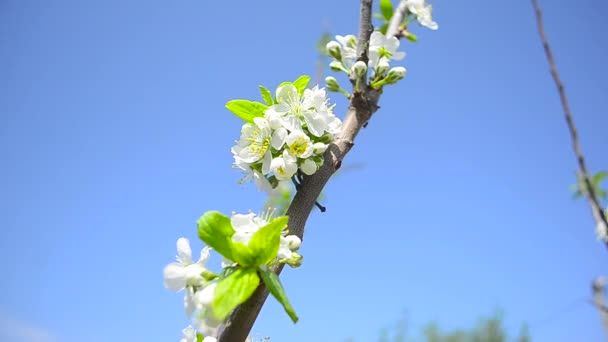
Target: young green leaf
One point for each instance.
(264, 244)
(242, 255)
(234, 290)
(266, 95)
(199, 337)
(379, 16)
(274, 286)
(245, 109)
(301, 83)
(386, 7)
(215, 230)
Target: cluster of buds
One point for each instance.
(381, 51)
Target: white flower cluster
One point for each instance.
(381, 51)
(423, 12)
(292, 135)
(199, 283)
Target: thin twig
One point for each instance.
(596, 209)
(397, 19)
(598, 286)
(361, 108)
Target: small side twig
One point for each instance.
(596, 209)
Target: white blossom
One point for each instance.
(381, 47)
(423, 13)
(285, 166)
(189, 334)
(184, 272)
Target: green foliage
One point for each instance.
(266, 95)
(486, 330)
(264, 244)
(215, 230)
(386, 7)
(234, 290)
(301, 83)
(273, 283)
(580, 188)
(246, 110)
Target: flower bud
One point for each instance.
(359, 69)
(308, 167)
(334, 49)
(336, 66)
(295, 260)
(319, 148)
(382, 67)
(332, 83)
(293, 242)
(395, 74)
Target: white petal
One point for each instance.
(184, 252)
(265, 163)
(278, 138)
(315, 123)
(175, 276)
(308, 167)
(193, 275)
(391, 45)
(241, 221)
(189, 303)
(286, 93)
(376, 40)
(399, 55)
(205, 297)
(204, 256)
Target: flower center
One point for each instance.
(299, 147)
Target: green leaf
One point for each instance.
(274, 286)
(245, 109)
(301, 83)
(215, 230)
(242, 254)
(266, 95)
(383, 29)
(199, 337)
(379, 16)
(598, 177)
(386, 7)
(234, 290)
(264, 244)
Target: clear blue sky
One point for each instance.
(114, 139)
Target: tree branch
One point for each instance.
(596, 209)
(361, 108)
(397, 19)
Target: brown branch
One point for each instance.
(596, 209)
(361, 108)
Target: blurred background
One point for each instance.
(114, 139)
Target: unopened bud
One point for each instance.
(359, 69)
(332, 83)
(336, 66)
(334, 49)
(293, 242)
(319, 148)
(295, 261)
(382, 67)
(395, 74)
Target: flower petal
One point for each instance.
(184, 252)
(175, 276)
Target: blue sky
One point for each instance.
(114, 139)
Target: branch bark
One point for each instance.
(362, 106)
(397, 19)
(596, 209)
